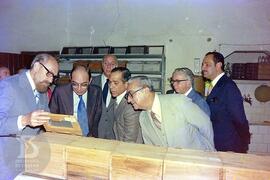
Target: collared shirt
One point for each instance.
(33, 86)
(156, 109)
(103, 81)
(31, 81)
(76, 101)
(214, 82)
(120, 97)
(186, 94)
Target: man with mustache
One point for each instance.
(23, 110)
(230, 125)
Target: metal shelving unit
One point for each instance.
(151, 64)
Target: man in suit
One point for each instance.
(231, 129)
(182, 81)
(66, 99)
(105, 127)
(169, 120)
(4, 72)
(126, 119)
(23, 111)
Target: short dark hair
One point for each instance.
(79, 66)
(126, 75)
(218, 57)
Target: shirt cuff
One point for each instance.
(19, 123)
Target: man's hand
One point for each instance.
(35, 118)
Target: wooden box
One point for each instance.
(245, 166)
(90, 158)
(45, 154)
(192, 164)
(137, 161)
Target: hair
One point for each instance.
(109, 55)
(217, 57)
(79, 66)
(187, 73)
(44, 57)
(4, 68)
(143, 81)
(126, 75)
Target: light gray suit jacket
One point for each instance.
(126, 123)
(17, 98)
(184, 125)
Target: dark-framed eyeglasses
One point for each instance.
(49, 73)
(177, 80)
(129, 94)
(77, 85)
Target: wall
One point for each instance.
(188, 28)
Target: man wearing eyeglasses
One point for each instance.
(126, 120)
(169, 120)
(182, 81)
(77, 96)
(23, 110)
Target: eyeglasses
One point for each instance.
(76, 85)
(49, 73)
(129, 94)
(177, 81)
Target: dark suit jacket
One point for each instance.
(96, 80)
(62, 103)
(198, 99)
(231, 129)
(126, 123)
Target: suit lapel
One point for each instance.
(191, 94)
(111, 104)
(119, 108)
(216, 89)
(27, 91)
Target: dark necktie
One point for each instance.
(82, 116)
(105, 90)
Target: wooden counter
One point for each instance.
(74, 157)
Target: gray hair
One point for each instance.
(143, 81)
(41, 58)
(187, 73)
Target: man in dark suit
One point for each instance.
(231, 129)
(23, 111)
(182, 81)
(105, 128)
(126, 120)
(66, 99)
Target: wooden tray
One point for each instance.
(61, 123)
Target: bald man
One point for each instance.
(4, 72)
(66, 99)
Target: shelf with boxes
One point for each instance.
(248, 65)
(140, 60)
